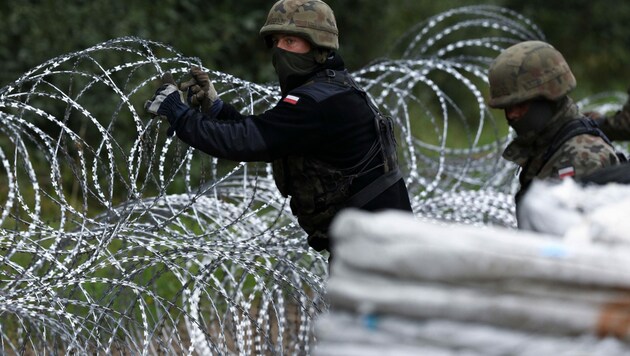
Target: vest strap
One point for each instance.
(373, 189)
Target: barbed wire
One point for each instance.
(118, 239)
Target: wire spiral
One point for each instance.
(119, 239)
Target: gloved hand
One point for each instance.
(616, 126)
(167, 101)
(199, 89)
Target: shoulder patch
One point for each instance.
(291, 99)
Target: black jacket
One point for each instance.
(338, 131)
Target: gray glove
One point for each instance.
(167, 102)
(199, 90)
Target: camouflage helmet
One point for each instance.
(311, 19)
(528, 70)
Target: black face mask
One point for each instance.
(292, 68)
(535, 119)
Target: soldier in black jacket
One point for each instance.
(329, 145)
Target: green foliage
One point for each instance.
(593, 37)
(224, 34)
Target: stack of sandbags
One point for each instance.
(400, 286)
(593, 213)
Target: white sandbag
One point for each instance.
(341, 334)
(582, 214)
(353, 334)
(392, 264)
(343, 348)
(569, 311)
(394, 243)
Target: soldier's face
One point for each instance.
(516, 112)
(530, 117)
(291, 43)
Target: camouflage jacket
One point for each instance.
(578, 156)
(617, 127)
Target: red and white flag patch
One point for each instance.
(566, 172)
(291, 99)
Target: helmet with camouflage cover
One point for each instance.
(311, 19)
(528, 70)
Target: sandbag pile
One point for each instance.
(401, 286)
(593, 213)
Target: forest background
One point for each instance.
(592, 35)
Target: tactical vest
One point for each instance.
(319, 191)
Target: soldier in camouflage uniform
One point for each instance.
(530, 81)
(330, 147)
